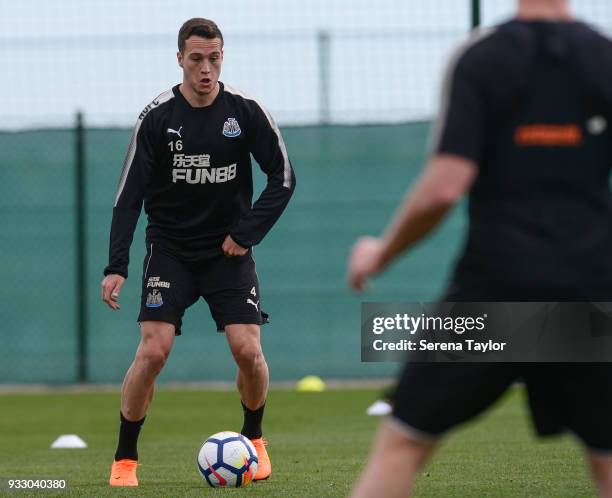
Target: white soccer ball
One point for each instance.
(227, 460)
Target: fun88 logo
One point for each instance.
(231, 128)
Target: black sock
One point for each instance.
(128, 439)
(251, 427)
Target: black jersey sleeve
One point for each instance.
(460, 127)
(268, 148)
(137, 170)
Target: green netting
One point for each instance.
(350, 180)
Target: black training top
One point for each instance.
(192, 168)
(531, 104)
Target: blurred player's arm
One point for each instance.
(445, 179)
(448, 175)
(137, 170)
(268, 149)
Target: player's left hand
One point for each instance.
(230, 248)
(366, 260)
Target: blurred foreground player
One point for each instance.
(525, 129)
(189, 161)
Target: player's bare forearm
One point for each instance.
(413, 220)
(443, 182)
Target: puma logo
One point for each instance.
(178, 132)
(256, 304)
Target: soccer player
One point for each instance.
(525, 129)
(189, 161)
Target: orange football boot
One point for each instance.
(123, 473)
(264, 467)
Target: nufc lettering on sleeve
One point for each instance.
(148, 108)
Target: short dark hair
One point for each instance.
(198, 26)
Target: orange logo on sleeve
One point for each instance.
(543, 135)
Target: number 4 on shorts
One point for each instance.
(253, 293)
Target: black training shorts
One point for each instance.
(432, 398)
(228, 284)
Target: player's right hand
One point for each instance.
(365, 261)
(111, 287)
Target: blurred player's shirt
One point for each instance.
(531, 104)
(192, 168)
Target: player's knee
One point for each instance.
(248, 356)
(153, 359)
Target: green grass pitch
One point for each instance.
(318, 443)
